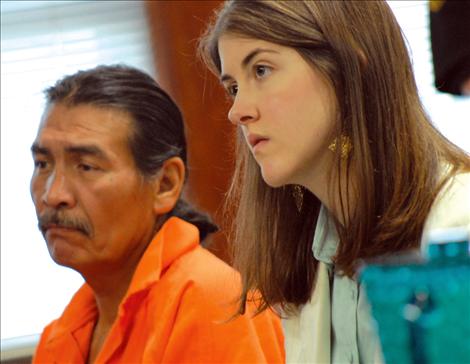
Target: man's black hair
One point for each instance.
(158, 130)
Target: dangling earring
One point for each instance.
(298, 194)
(346, 146)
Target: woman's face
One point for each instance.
(285, 108)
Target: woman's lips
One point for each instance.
(259, 144)
(256, 141)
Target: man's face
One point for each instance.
(94, 208)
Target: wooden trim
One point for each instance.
(175, 28)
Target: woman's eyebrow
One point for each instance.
(247, 60)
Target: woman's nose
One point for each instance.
(243, 110)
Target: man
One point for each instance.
(110, 162)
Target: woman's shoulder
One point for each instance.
(452, 205)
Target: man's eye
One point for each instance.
(40, 164)
(262, 71)
(86, 167)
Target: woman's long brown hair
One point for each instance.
(397, 154)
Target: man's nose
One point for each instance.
(57, 193)
(244, 109)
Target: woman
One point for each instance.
(334, 148)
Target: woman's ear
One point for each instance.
(167, 185)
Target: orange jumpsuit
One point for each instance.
(175, 311)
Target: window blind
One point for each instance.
(450, 114)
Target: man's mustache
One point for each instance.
(60, 219)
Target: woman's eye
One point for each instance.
(232, 90)
(262, 71)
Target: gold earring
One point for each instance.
(346, 146)
(298, 194)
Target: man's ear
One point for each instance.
(168, 184)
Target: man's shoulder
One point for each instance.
(198, 283)
(206, 271)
